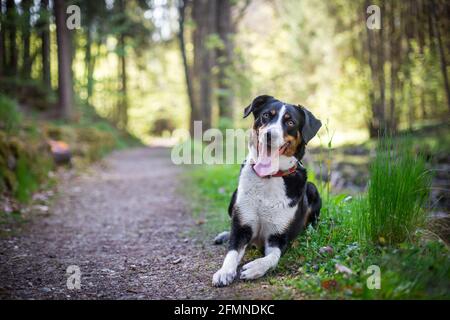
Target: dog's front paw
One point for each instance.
(223, 277)
(253, 270)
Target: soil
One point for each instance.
(124, 225)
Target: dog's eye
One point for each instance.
(266, 115)
(290, 123)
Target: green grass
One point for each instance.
(9, 115)
(411, 267)
(399, 185)
(25, 158)
(214, 187)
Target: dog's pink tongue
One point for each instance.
(266, 165)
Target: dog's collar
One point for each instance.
(282, 173)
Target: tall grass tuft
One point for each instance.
(398, 190)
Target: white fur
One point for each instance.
(263, 205)
(257, 268)
(227, 273)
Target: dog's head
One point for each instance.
(280, 129)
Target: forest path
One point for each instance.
(124, 225)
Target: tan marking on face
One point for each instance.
(294, 143)
(287, 116)
(273, 112)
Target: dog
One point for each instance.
(273, 202)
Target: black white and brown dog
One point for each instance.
(273, 202)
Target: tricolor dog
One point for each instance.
(273, 202)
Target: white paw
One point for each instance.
(223, 277)
(254, 270)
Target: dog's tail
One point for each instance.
(222, 237)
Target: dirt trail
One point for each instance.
(124, 225)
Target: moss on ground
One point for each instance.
(26, 161)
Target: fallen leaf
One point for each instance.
(329, 284)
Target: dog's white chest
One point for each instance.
(263, 203)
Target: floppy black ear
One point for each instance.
(311, 126)
(256, 103)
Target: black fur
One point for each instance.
(240, 234)
(295, 185)
(301, 194)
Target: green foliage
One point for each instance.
(214, 187)
(9, 114)
(415, 269)
(398, 190)
(24, 162)
(25, 158)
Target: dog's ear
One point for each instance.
(311, 126)
(256, 104)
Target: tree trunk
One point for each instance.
(123, 90)
(376, 59)
(440, 45)
(26, 34)
(225, 29)
(11, 18)
(90, 63)
(183, 4)
(65, 86)
(123, 99)
(2, 41)
(394, 53)
(381, 76)
(421, 41)
(204, 14)
(45, 44)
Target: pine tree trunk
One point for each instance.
(26, 34)
(45, 44)
(90, 63)
(65, 86)
(123, 99)
(11, 20)
(2, 42)
(225, 29)
(440, 45)
(183, 4)
(123, 79)
(204, 14)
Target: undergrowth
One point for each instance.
(26, 162)
(380, 228)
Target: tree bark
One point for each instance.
(440, 45)
(381, 75)
(2, 41)
(123, 100)
(204, 14)
(65, 86)
(90, 63)
(26, 34)
(11, 20)
(183, 4)
(376, 59)
(394, 53)
(44, 27)
(225, 29)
